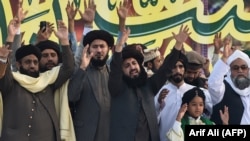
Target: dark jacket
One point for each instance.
(125, 102)
(84, 92)
(19, 106)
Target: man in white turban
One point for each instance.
(229, 84)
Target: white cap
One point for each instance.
(150, 54)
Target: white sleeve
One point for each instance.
(216, 86)
(208, 102)
(215, 58)
(175, 133)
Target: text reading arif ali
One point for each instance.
(218, 132)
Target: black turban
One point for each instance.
(27, 50)
(183, 59)
(98, 34)
(48, 44)
(130, 51)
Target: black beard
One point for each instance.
(44, 68)
(177, 78)
(138, 81)
(26, 72)
(241, 82)
(98, 62)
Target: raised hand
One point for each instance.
(205, 67)
(224, 115)
(12, 29)
(228, 40)
(21, 13)
(62, 33)
(218, 43)
(182, 112)
(162, 96)
(71, 14)
(122, 13)
(86, 57)
(226, 53)
(89, 13)
(4, 52)
(181, 37)
(71, 10)
(45, 33)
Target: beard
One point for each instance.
(138, 81)
(241, 82)
(44, 68)
(99, 62)
(29, 73)
(177, 78)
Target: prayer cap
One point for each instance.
(150, 54)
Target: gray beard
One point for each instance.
(241, 82)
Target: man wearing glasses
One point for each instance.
(228, 85)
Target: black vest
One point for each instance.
(234, 103)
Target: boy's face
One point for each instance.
(196, 107)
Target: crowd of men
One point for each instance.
(54, 91)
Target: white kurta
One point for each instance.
(216, 89)
(167, 115)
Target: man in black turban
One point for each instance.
(51, 55)
(27, 58)
(137, 75)
(97, 38)
(133, 93)
(88, 88)
(37, 98)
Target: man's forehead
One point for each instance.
(129, 60)
(30, 57)
(179, 63)
(48, 50)
(98, 41)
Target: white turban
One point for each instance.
(238, 54)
